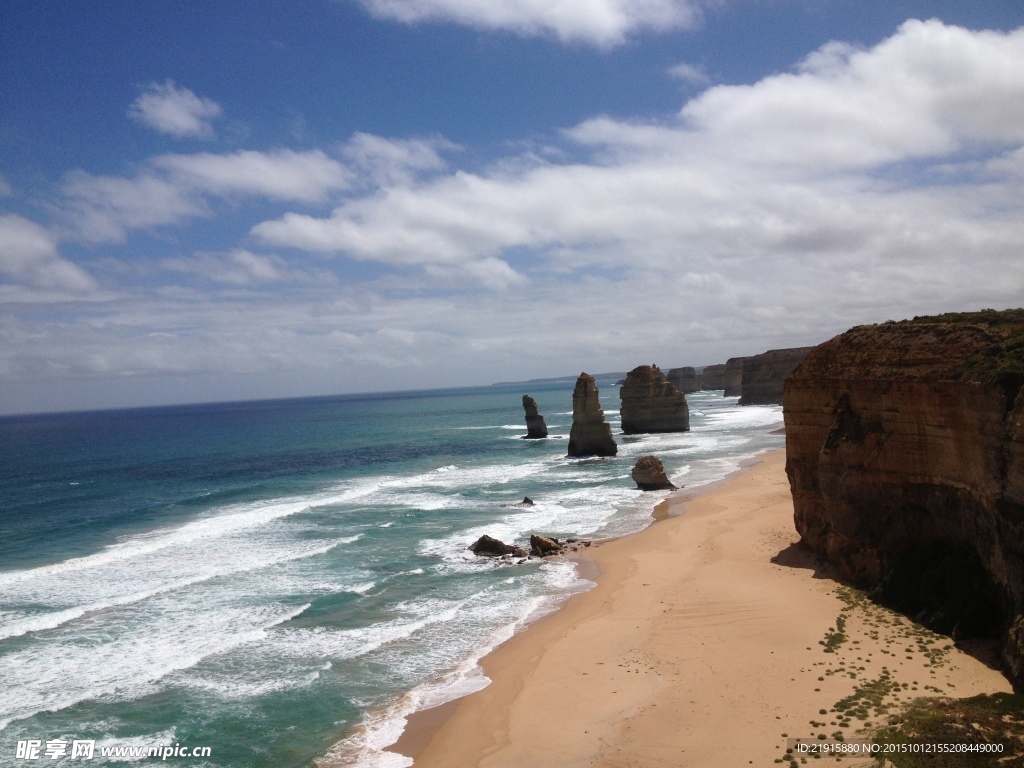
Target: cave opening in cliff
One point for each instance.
(945, 587)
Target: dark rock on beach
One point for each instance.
(649, 474)
(651, 403)
(535, 426)
(590, 435)
(905, 456)
(540, 546)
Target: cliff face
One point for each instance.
(764, 374)
(535, 426)
(590, 434)
(713, 377)
(905, 455)
(651, 403)
(734, 376)
(684, 379)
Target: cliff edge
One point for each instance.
(905, 456)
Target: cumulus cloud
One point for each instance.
(848, 159)
(282, 174)
(241, 267)
(29, 256)
(597, 22)
(175, 111)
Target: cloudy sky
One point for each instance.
(266, 198)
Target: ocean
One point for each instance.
(257, 578)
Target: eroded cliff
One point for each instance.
(765, 374)
(651, 403)
(590, 435)
(905, 455)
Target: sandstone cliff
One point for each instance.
(651, 403)
(684, 379)
(905, 455)
(535, 426)
(734, 376)
(590, 434)
(764, 374)
(713, 377)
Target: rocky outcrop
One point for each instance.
(713, 377)
(590, 434)
(734, 376)
(546, 546)
(905, 455)
(649, 474)
(684, 379)
(535, 426)
(764, 375)
(651, 403)
(488, 546)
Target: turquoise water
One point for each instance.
(257, 578)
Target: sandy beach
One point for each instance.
(711, 639)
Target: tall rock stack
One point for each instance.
(535, 426)
(590, 434)
(713, 377)
(684, 379)
(734, 376)
(905, 456)
(765, 374)
(651, 403)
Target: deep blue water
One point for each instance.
(259, 577)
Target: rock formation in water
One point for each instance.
(734, 376)
(905, 455)
(764, 375)
(535, 426)
(684, 379)
(651, 403)
(590, 434)
(488, 546)
(713, 377)
(649, 474)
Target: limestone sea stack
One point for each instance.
(713, 377)
(535, 426)
(764, 375)
(651, 403)
(684, 379)
(649, 474)
(905, 456)
(590, 434)
(734, 376)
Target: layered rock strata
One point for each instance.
(649, 474)
(734, 376)
(651, 403)
(905, 455)
(590, 434)
(765, 374)
(684, 379)
(713, 377)
(535, 426)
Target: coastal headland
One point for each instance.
(711, 638)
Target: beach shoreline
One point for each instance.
(705, 641)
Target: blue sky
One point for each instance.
(208, 201)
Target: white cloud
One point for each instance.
(689, 73)
(29, 256)
(282, 174)
(104, 208)
(394, 161)
(175, 111)
(598, 22)
(241, 267)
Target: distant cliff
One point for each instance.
(651, 403)
(764, 374)
(905, 455)
(734, 376)
(590, 434)
(712, 377)
(684, 379)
